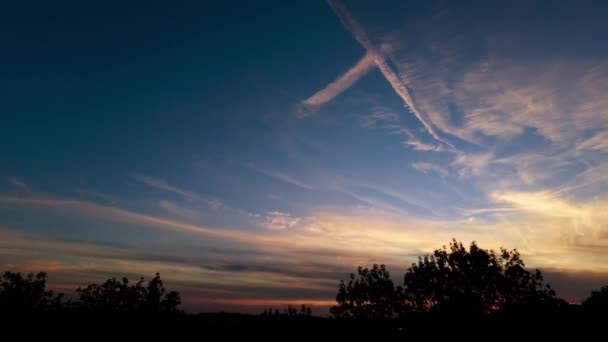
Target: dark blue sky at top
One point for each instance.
(116, 87)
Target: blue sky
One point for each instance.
(255, 154)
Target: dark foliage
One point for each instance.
(453, 280)
(26, 294)
(369, 294)
(597, 304)
(118, 296)
(472, 282)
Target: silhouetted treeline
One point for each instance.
(28, 294)
(454, 291)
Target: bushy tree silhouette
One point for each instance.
(470, 282)
(474, 281)
(369, 294)
(118, 296)
(26, 294)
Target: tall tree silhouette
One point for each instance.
(369, 294)
(474, 281)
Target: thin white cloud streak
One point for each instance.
(178, 211)
(19, 184)
(162, 184)
(598, 142)
(591, 176)
(380, 117)
(429, 167)
(414, 143)
(351, 24)
(470, 212)
(282, 177)
(335, 88)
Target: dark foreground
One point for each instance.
(220, 326)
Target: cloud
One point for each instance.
(282, 177)
(92, 194)
(598, 142)
(593, 175)
(468, 165)
(178, 211)
(414, 143)
(380, 116)
(502, 99)
(534, 168)
(335, 88)
(351, 24)
(543, 203)
(162, 184)
(580, 226)
(19, 184)
(428, 167)
(276, 220)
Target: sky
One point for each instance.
(255, 153)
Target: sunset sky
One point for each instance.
(255, 153)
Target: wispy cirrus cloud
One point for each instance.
(380, 117)
(598, 142)
(429, 167)
(19, 184)
(276, 220)
(284, 177)
(179, 211)
(472, 164)
(162, 184)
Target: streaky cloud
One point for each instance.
(19, 184)
(162, 184)
(335, 88)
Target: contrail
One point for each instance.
(357, 31)
(335, 88)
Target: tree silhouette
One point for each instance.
(370, 294)
(118, 296)
(474, 281)
(597, 303)
(19, 294)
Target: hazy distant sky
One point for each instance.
(255, 152)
